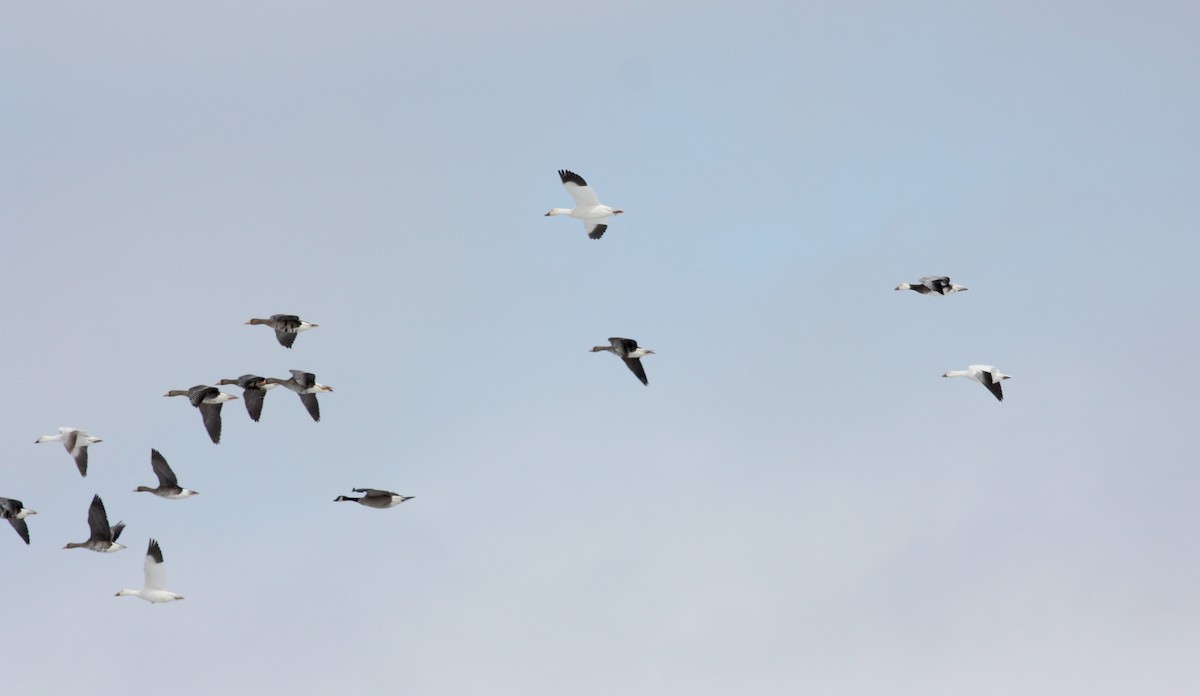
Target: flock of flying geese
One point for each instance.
(208, 400)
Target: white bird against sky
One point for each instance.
(933, 285)
(286, 327)
(168, 486)
(154, 586)
(15, 512)
(374, 498)
(103, 538)
(76, 441)
(986, 375)
(627, 350)
(587, 205)
(209, 401)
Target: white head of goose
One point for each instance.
(209, 401)
(154, 586)
(286, 327)
(103, 538)
(76, 441)
(168, 487)
(374, 498)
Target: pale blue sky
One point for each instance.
(797, 503)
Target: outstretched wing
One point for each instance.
(98, 521)
(285, 338)
(21, 527)
(80, 457)
(156, 576)
(635, 364)
(594, 229)
(992, 385)
(166, 477)
(254, 401)
(310, 403)
(583, 194)
(374, 492)
(211, 413)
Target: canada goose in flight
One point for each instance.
(375, 498)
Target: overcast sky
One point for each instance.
(797, 503)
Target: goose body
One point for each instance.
(168, 487)
(76, 441)
(305, 384)
(208, 400)
(628, 351)
(154, 587)
(254, 390)
(15, 512)
(374, 498)
(986, 375)
(587, 205)
(286, 327)
(933, 285)
(103, 537)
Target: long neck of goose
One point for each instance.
(559, 211)
(73, 545)
(49, 438)
(143, 489)
(178, 392)
(957, 373)
(597, 349)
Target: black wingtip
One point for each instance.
(598, 232)
(569, 176)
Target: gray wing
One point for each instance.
(98, 521)
(310, 403)
(81, 460)
(69, 439)
(254, 401)
(166, 477)
(992, 385)
(211, 413)
(9, 507)
(21, 527)
(305, 379)
(624, 346)
(635, 364)
(200, 392)
(936, 284)
(117, 529)
(374, 492)
(285, 338)
(594, 229)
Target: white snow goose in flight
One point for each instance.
(103, 538)
(375, 498)
(15, 512)
(587, 205)
(986, 375)
(286, 327)
(154, 587)
(254, 390)
(627, 350)
(76, 441)
(209, 401)
(933, 285)
(305, 384)
(168, 486)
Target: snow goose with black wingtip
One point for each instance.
(15, 512)
(168, 486)
(103, 537)
(587, 205)
(986, 375)
(209, 401)
(154, 587)
(76, 441)
(627, 350)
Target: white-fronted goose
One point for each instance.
(254, 390)
(168, 487)
(209, 401)
(103, 538)
(15, 512)
(627, 350)
(286, 327)
(305, 384)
